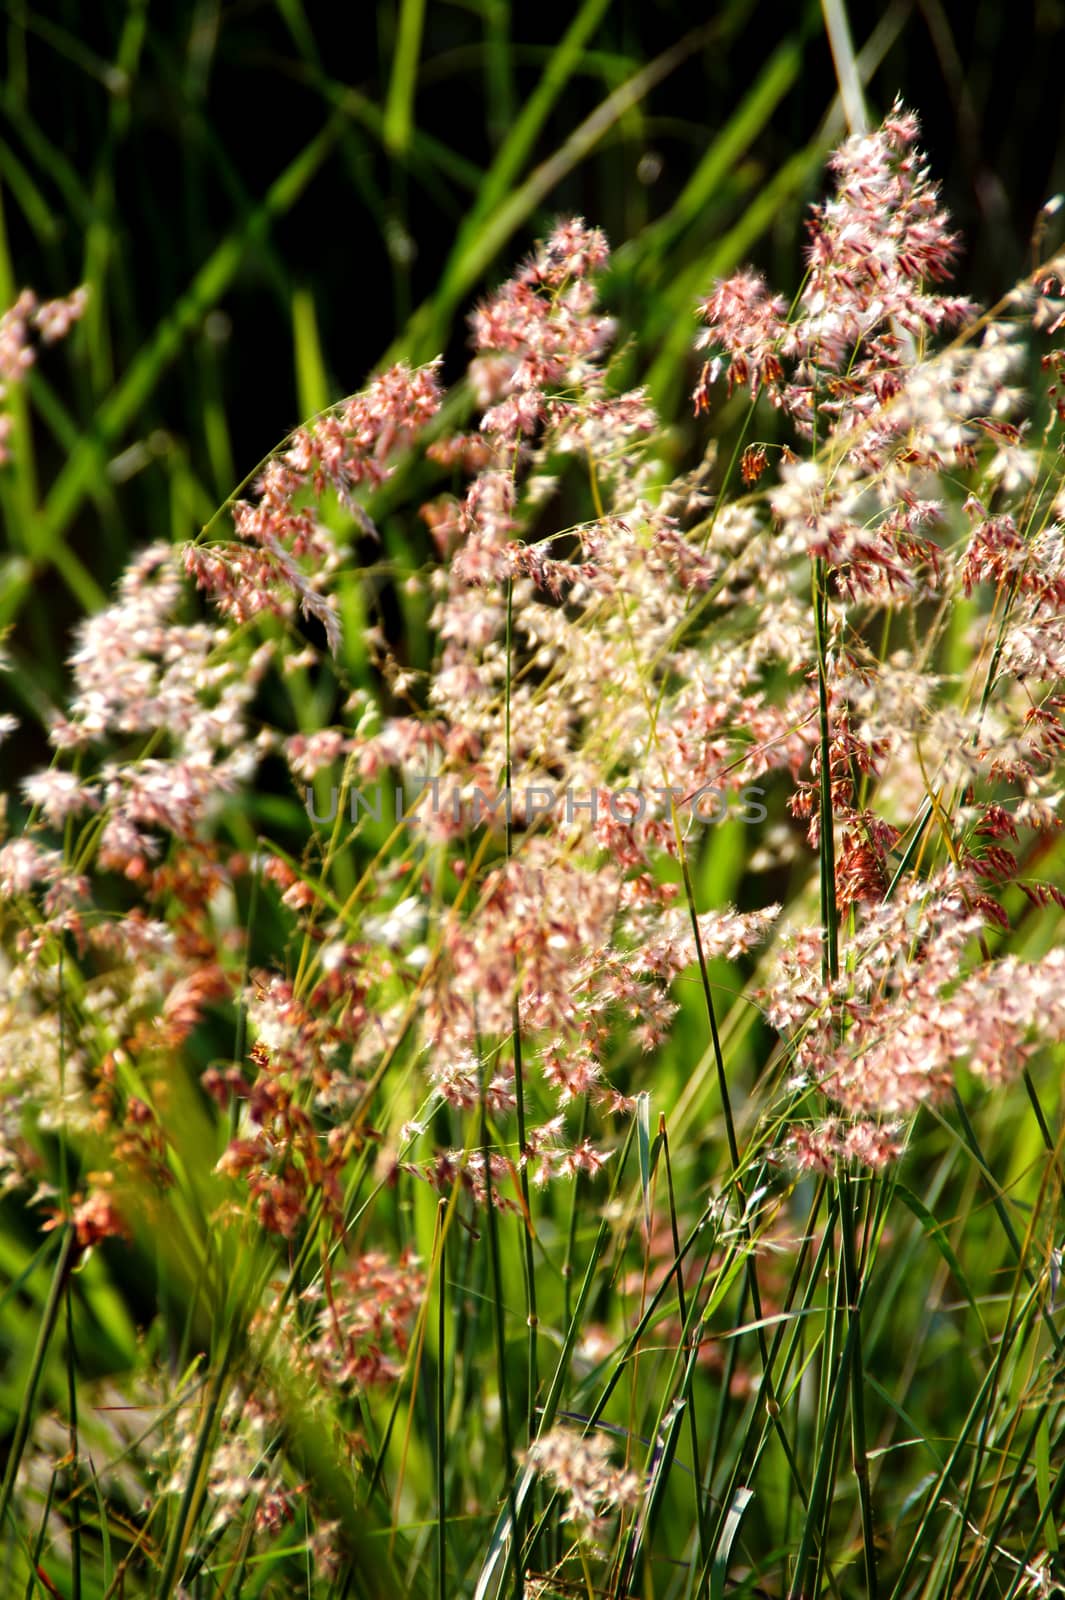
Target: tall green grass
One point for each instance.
(886, 1415)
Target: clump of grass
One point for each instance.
(578, 1116)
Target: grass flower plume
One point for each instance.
(629, 1161)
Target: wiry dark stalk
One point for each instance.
(571, 1232)
(528, 1264)
(728, 1371)
(827, 838)
(195, 1482)
(693, 1426)
(553, 1398)
(820, 1498)
(983, 1402)
(24, 1420)
(715, 1036)
(645, 1320)
(718, 1053)
(501, 1340)
(441, 1404)
(33, 1582)
(851, 1279)
(782, 1368)
(993, 1537)
(1040, 1116)
(1037, 1537)
(72, 1435)
(1000, 1211)
(852, 1284)
(1009, 1342)
(665, 1435)
(750, 1264)
(72, 1392)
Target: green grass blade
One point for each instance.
(934, 1230)
(312, 384)
(401, 87)
(741, 1499)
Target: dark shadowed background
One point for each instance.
(268, 197)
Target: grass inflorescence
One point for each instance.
(531, 988)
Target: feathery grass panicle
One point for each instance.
(728, 804)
